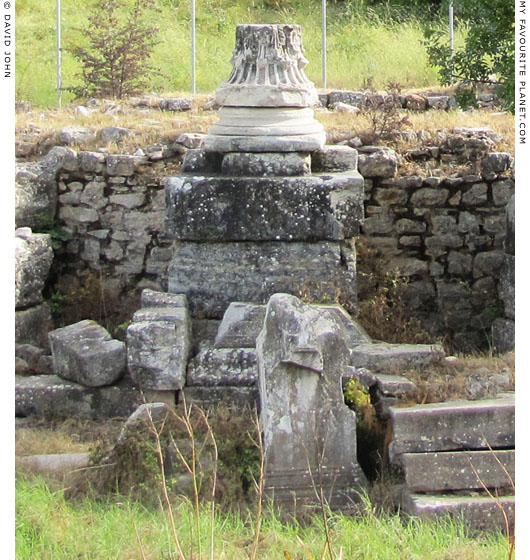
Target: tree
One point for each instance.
(120, 43)
(488, 53)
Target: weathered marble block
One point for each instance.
(86, 353)
(159, 342)
(453, 425)
(481, 513)
(49, 396)
(309, 435)
(265, 164)
(235, 367)
(33, 258)
(213, 275)
(264, 209)
(462, 470)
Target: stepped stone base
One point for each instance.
(213, 275)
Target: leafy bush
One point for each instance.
(487, 55)
(115, 61)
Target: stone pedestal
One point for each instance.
(309, 434)
(264, 206)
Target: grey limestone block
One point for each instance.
(46, 396)
(75, 135)
(153, 298)
(462, 470)
(391, 358)
(33, 258)
(32, 325)
(237, 164)
(301, 360)
(124, 165)
(453, 425)
(264, 209)
(86, 353)
(241, 324)
(234, 367)
(159, 341)
(214, 275)
(377, 162)
(507, 286)
(197, 160)
(496, 162)
(481, 513)
(334, 159)
(176, 104)
(509, 243)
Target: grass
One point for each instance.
(364, 46)
(49, 527)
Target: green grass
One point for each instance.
(364, 47)
(48, 527)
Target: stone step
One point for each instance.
(390, 358)
(453, 425)
(461, 470)
(480, 513)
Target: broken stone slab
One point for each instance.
(32, 325)
(390, 358)
(176, 104)
(264, 209)
(480, 513)
(461, 470)
(144, 417)
(266, 164)
(49, 396)
(214, 275)
(56, 463)
(223, 367)
(305, 423)
(86, 353)
(159, 342)
(33, 258)
(220, 396)
(453, 425)
(334, 159)
(353, 333)
(240, 326)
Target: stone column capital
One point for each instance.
(268, 63)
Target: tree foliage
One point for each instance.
(488, 52)
(119, 45)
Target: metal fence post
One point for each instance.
(451, 36)
(193, 54)
(58, 36)
(324, 44)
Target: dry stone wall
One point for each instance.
(446, 237)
